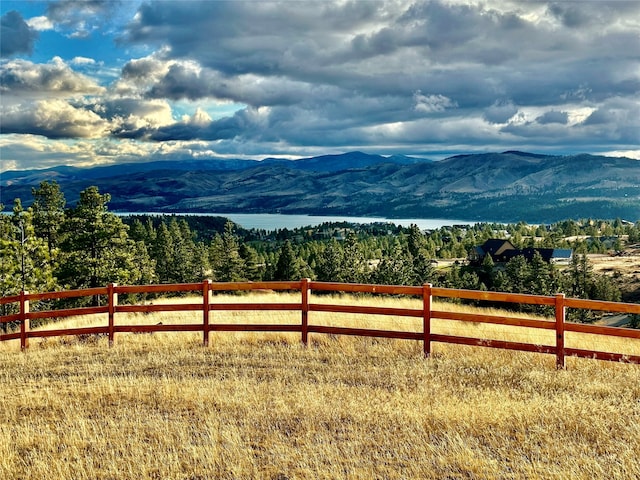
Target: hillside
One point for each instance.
(507, 187)
(258, 405)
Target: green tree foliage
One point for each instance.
(253, 267)
(88, 246)
(579, 281)
(26, 263)
(395, 267)
(48, 213)
(228, 265)
(330, 262)
(97, 249)
(289, 266)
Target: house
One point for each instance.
(502, 251)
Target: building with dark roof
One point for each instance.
(503, 250)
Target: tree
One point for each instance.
(288, 266)
(29, 252)
(228, 265)
(253, 270)
(330, 261)
(395, 267)
(95, 245)
(162, 253)
(183, 259)
(48, 213)
(581, 282)
(353, 268)
(423, 269)
(517, 272)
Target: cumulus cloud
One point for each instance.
(553, 116)
(16, 36)
(53, 119)
(22, 77)
(500, 112)
(40, 24)
(81, 17)
(308, 76)
(432, 103)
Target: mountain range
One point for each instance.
(505, 187)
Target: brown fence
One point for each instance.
(305, 286)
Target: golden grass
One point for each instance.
(257, 405)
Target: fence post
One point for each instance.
(304, 289)
(426, 318)
(112, 301)
(560, 318)
(205, 312)
(24, 321)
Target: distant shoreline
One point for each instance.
(274, 221)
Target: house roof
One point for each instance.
(496, 247)
(503, 251)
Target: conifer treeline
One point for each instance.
(50, 246)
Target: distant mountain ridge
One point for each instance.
(324, 163)
(509, 186)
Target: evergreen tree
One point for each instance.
(330, 262)
(353, 268)
(416, 241)
(581, 282)
(162, 253)
(97, 249)
(31, 253)
(229, 265)
(517, 274)
(423, 269)
(203, 267)
(395, 268)
(48, 213)
(182, 267)
(288, 266)
(252, 268)
(542, 277)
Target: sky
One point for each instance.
(94, 82)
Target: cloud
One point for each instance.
(553, 116)
(21, 77)
(81, 17)
(287, 77)
(432, 103)
(40, 24)
(500, 111)
(16, 36)
(83, 61)
(53, 119)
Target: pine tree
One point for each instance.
(517, 273)
(162, 253)
(395, 267)
(353, 268)
(48, 213)
(182, 268)
(330, 262)
(288, 266)
(253, 270)
(229, 265)
(31, 253)
(96, 246)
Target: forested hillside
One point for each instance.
(49, 246)
(505, 187)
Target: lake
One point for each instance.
(274, 221)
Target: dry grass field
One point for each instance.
(262, 406)
(625, 268)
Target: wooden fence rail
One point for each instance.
(305, 286)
